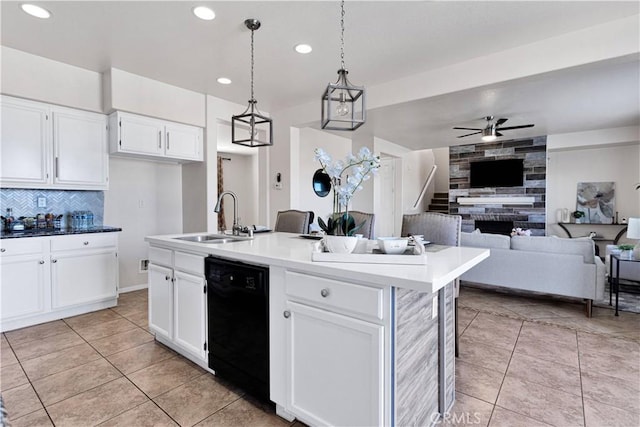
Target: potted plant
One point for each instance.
(347, 177)
(578, 215)
(626, 251)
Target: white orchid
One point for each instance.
(356, 170)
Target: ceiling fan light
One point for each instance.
(489, 133)
(489, 138)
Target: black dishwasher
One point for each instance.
(238, 316)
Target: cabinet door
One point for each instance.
(189, 313)
(80, 149)
(140, 135)
(161, 300)
(336, 368)
(24, 146)
(183, 142)
(22, 285)
(80, 277)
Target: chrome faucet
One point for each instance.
(236, 229)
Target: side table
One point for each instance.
(615, 279)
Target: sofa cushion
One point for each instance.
(485, 240)
(555, 245)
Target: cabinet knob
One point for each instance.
(41, 262)
(286, 314)
(324, 293)
(54, 261)
(3, 250)
(85, 243)
(167, 277)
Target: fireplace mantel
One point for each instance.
(496, 200)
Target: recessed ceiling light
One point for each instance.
(224, 81)
(204, 12)
(36, 11)
(303, 48)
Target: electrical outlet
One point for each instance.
(144, 266)
(42, 202)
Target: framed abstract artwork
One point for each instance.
(597, 201)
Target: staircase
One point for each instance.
(439, 203)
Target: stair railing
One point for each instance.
(425, 186)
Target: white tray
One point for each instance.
(371, 258)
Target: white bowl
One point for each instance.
(392, 245)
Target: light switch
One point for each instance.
(42, 202)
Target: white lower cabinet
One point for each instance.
(23, 280)
(335, 341)
(161, 300)
(177, 301)
(189, 312)
(335, 368)
(49, 278)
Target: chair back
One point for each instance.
(438, 228)
(294, 221)
(368, 219)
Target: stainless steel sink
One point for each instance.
(212, 238)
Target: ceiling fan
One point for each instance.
(492, 130)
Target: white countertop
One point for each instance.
(293, 252)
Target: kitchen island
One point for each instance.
(350, 344)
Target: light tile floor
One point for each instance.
(525, 361)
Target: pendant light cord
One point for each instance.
(252, 99)
(342, 35)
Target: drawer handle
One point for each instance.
(324, 293)
(286, 314)
(85, 243)
(3, 250)
(54, 261)
(41, 262)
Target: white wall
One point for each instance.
(240, 176)
(441, 180)
(34, 77)
(144, 199)
(565, 168)
(310, 139)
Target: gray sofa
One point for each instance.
(552, 265)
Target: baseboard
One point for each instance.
(132, 288)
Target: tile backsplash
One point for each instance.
(25, 202)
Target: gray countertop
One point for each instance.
(57, 232)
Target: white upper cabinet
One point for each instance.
(145, 137)
(46, 146)
(25, 143)
(80, 148)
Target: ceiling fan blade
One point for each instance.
(468, 128)
(517, 127)
(500, 121)
(469, 134)
(498, 134)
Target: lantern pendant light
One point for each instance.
(343, 104)
(252, 128)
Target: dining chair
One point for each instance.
(368, 221)
(440, 229)
(294, 221)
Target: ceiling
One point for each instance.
(385, 40)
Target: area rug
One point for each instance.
(628, 299)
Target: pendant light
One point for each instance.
(252, 128)
(343, 103)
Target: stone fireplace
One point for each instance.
(500, 209)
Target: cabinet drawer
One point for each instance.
(83, 241)
(189, 263)
(160, 256)
(358, 299)
(22, 246)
